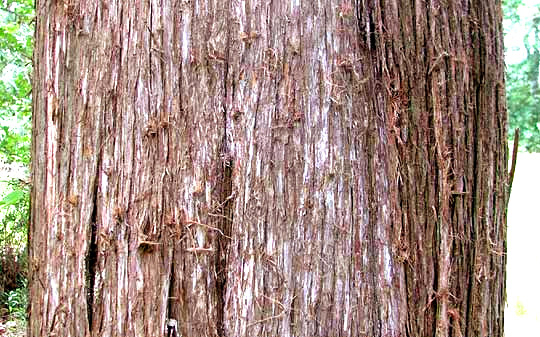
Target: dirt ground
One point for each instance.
(13, 329)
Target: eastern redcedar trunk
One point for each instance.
(268, 168)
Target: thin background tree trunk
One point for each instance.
(268, 168)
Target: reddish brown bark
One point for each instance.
(276, 168)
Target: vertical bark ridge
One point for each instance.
(64, 147)
(201, 171)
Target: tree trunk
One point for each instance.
(268, 168)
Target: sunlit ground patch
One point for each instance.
(522, 314)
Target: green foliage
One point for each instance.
(16, 29)
(14, 213)
(523, 106)
(16, 45)
(15, 302)
(510, 9)
(13, 282)
(522, 23)
(13, 198)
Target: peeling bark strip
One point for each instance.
(268, 168)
